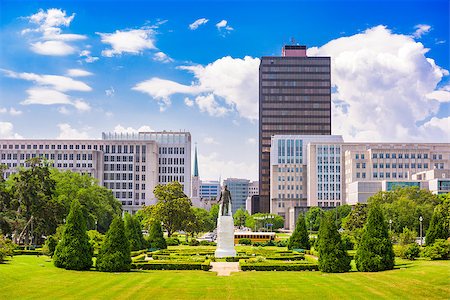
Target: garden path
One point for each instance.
(224, 268)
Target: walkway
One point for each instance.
(224, 268)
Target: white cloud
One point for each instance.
(251, 141)
(53, 41)
(210, 141)
(197, 23)
(188, 102)
(162, 57)
(421, 29)
(78, 73)
(110, 92)
(437, 127)
(213, 167)
(63, 110)
(441, 95)
(53, 48)
(227, 84)
(45, 96)
(86, 56)
(11, 111)
(382, 80)
(223, 25)
(66, 132)
(130, 130)
(81, 105)
(7, 131)
(127, 41)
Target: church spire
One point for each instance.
(195, 162)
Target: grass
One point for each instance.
(31, 277)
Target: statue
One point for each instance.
(225, 202)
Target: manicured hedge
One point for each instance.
(278, 267)
(136, 253)
(27, 252)
(172, 265)
(140, 257)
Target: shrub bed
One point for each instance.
(27, 252)
(172, 265)
(269, 266)
(140, 257)
(136, 253)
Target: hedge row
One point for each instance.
(140, 257)
(284, 257)
(278, 267)
(27, 252)
(171, 265)
(140, 252)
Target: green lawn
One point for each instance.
(31, 277)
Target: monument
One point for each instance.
(225, 226)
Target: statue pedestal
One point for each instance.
(225, 237)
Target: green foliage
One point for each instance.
(256, 221)
(214, 213)
(240, 217)
(299, 238)
(74, 252)
(155, 236)
(440, 249)
(333, 256)
(375, 252)
(50, 245)
(278, 266)
(172, 265)
(438, 229)
(96, 239)
(412, 251)
(194, 242)
(172, 241)
(115, 255)
(245, 241)
(133, 232)
(348, 241)
(341, 212)
(313, 217)
(356, 218)
(6, 248)
(407, 237)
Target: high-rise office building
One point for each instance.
(294, 99)
(239, 192)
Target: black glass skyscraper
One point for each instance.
(294, 98)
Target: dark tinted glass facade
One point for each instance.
(294, 98)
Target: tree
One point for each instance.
(74, 252)
(333, 257)
(437, 229)
(341, 212)
(262, 221)
(407, 237)
(299, 238)
(133, 232)
(240, 216)
(214, 213)
(6, 248)
(375, 252)
(313, 216)
(115, 256)
(156, 237)
(356, 218)
(172, 208)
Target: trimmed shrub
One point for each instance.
(172, 265)
(299, 238)
(407, 237)
(74, 252)
(245, 241)
(278, 267)
(172, 241)
(50, 245)
(375, 252)
(440, 249)
(156, 238)
(6, 248)
(281, 243)
(412, 251)
(333, 256)
(207, 243)
(115, 255)
(347, 240)
(194, 242)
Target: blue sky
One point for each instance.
(72, 69)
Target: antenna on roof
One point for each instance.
(292, 41)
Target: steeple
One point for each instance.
(195, 162)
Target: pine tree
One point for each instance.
(74, 252)
(133, 232)
(156, 237)
(115, 256)
(299, 238)
(333, 256)
(375, 252)
(437, 228)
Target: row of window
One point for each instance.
(290, 178)
(317, 90)
(119, 167)
(329, 178)
(171, 150)
(328, 159)
(405, 155)
(176, 170)
(118, 176)
(51, 156)
(329, 196)
(388, 175)
(290, 196)
(293, 83)
(296, 69)
(125, 149)
(295, 76)
(52, 147)
(329, 204)
(400, 166)
(290, 170)
(328, 149)
(329, 169)
(118, 158)
(170, 178)
(171, 161)
(289, 187)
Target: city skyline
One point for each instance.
(69, 72)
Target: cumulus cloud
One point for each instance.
(78, 73)
(437, 127)
(162, 57)
(130, 130)
(213, 166)
(197, 23)
(66, 132)
(441, 95)
(133, 41)
(210, 141)
(382, 81)
(188, 102)
(228, 84)
(110, 92)
(224, 25)
(87, 57)
(11, 111)
(48, 28)
(421, 29)
(7, 131)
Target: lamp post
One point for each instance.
(390, 225)
(420, 219)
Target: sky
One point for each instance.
(75, 69)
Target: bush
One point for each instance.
(437, 228)
(74, 252)
(172, 265)
(207, 243)
(333, 256)
(273, 266)
(347, 240)
(194, 242)
(440, 249)
(245, 241)
(375, 252)
(6, 248)
(299, 238)
(313, 242)
(407, 236)
(412, 251)
(115, 255)
(281, 243)
(96, 239)
(172, 241)
(155, 236)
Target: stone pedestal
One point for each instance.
(225, 237)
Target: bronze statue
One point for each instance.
(225, 201)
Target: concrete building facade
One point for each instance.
(239, 192)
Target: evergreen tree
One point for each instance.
(156, 237)
(437, 228)
(115, 256)
(299, 238)
(74, 252)
(375, 251)
(133, 232)
(333, 256)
